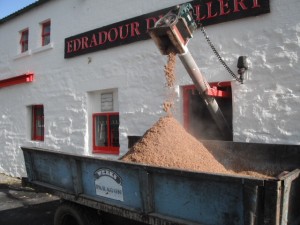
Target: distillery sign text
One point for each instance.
(135, 29)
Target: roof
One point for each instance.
(22, 11)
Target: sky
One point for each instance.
(8, 7)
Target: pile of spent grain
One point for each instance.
(167, 144)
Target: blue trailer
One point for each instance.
(92, 188)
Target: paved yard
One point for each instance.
(23, 206)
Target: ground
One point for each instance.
(23, 206)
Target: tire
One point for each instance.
(73, 214)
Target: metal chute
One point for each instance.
(172, 33)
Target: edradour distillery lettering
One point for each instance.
(113, 34)
(135, 29)
(217, 8)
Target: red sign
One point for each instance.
(135, 29)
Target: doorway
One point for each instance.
(198, 120)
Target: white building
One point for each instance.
(78, 74)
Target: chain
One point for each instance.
(218, 55)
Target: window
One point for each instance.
(46, 30)
(197, 118)
(103, 121)
(24, 40)
(38, 122)
(106, 133)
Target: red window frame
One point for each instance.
(45, 33)
(24, 40)
(109, 149)
(37, 135)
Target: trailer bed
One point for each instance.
(156, 195)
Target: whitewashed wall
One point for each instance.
(265, 109)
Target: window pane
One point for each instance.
(39, 111)
(40, 126)
(24, 36)
(24, 47)
(46, 40)
(38, 122)
(46, 29)
(101, 131)
(114, 130)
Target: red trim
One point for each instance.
(103, 149)
(36, 118)
(25, 78)
(213, 91)
(24, 43)
(189, 87)
(218, 93)
(45, 34)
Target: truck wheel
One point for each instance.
(73, 214)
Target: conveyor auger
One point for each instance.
(171, 33)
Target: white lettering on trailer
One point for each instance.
(108, 184)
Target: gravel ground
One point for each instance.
(23, 206)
